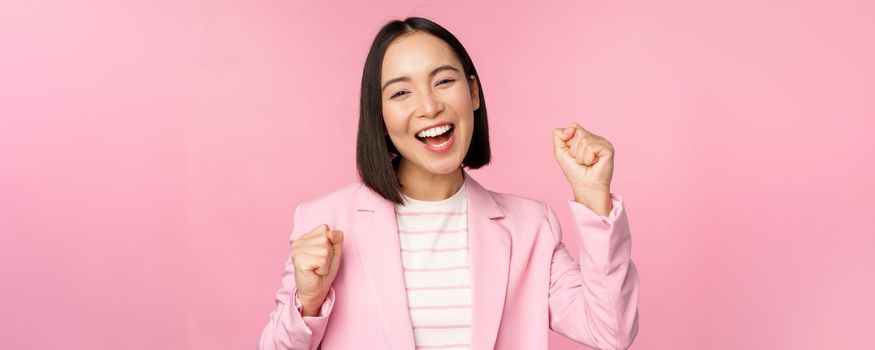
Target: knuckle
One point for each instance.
(321, 228)
(294, 250)
(320, 251)
(323, 240)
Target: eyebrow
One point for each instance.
(406, 78)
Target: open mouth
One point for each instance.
(437, 139)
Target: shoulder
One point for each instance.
(519, 205)
(509, 204)
(528, 214)
(331, 201)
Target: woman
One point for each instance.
(419, 255)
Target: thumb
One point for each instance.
(560, 136)
(336, 238)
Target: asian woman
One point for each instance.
(417, 254)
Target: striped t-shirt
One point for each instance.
(437, 270)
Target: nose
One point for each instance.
(429, 105)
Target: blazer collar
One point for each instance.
(380, 251)
(479, 196)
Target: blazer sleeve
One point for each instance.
(595, 302)
(287, 328)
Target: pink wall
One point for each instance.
(151, 154)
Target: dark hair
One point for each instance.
(375, 167)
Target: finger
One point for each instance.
(590, 154)
(583, 133)
(315, 240)
(580, 128)
(578, 143)
(560, 142)
(324, 266)
(560, 136)
(568, 133)
(337, 244)
(312, 248)
(580, 155)
(309, 263)
(336, 239)
(586, 154)
(321, 229)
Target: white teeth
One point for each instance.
(434, 131)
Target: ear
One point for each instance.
(475, 91)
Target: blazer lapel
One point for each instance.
(489, 245)
(380, 252)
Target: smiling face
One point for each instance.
(428, 103)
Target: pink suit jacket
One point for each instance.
(524, 281)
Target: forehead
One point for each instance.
(416, 54)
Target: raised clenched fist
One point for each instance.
(587, 160)
(316, 256)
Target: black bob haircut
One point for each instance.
(374, 149)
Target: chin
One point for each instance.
(443, 170)
(445, 166)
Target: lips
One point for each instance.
(441, 143)
(445, 135)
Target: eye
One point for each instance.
(445, 81)
(399, 93)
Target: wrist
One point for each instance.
(311, 305)
(599, 201)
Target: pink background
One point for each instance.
(152, 152)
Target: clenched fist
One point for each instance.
(587, 160)
(316, 256)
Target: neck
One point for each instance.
(419, 184)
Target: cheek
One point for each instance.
(460, 99)
(461, 102)
(396, 122)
